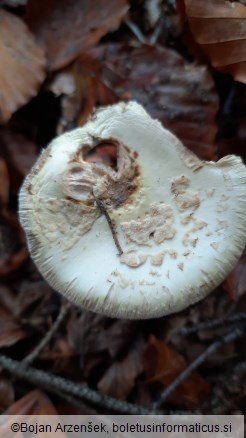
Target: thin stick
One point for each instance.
(240, 368)
(157, 31)
(213, 323)
(54, 383)
(47, 338)
(229, 337)
(136, 31)
(75, 402)
(110, 224)
(219, 402)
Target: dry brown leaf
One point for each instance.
(119, 379)
(35, 305)
(34, 403)
(10, 330)
(163, 364)
(23, 65)
(13, 251)
(235, 283)
(179, 94)
(219, 27)
(20, 154)
(76, 86)
(6, 392)
(4, 183)
(232, 122)
(68, 28)
(97, 338)
(58, 350)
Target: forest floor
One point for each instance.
(59, 63)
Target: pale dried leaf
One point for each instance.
(24, 65)
(220, 30)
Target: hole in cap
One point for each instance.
(105, 153)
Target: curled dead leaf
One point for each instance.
(24, 65)
(77, 86)
(219, 28)
(163, 364)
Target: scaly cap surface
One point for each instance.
(146, 238)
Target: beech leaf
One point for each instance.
(23, 65)
(219, 27)
(119, 378)
(19, 153)
(235, 283)
(33, 403)
(163, 364)
(12, 254)
(10, 330)
(67, 28)
(6, 392)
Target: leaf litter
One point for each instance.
(99, 61)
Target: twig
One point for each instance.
(213, 323)
(157, 31)
(136, 31)
(219, 402)
(75, 402)
(240, 368)
(229, 337)
(47, 338)
(110, 224)
(54, 383)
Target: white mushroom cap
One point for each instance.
(146, 239)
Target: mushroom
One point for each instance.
(143, 234)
